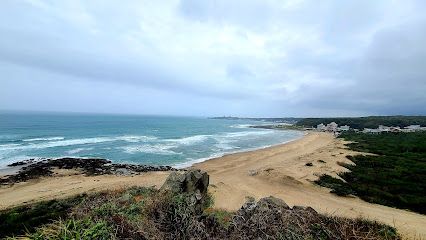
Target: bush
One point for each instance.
(28, 217)
(395, 176)
(74, 229)
(338, 186)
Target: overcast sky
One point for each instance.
(214, 57)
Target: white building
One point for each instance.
(344, 128)
(414, 127)
(395, 129)
(384, 128)
(332, 127)
(321, 127)
(370, 130)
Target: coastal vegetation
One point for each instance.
(148, 213)
(393, 175)
(366, 122)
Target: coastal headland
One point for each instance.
(285, 171)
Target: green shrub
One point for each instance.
(395, 176)
(74, 229)
(27, 217)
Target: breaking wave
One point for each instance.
(71, 142)
(43, 139)
(78, 150)
(189, 140)
(162, 149)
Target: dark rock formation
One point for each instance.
(21, 163)
(89, 166)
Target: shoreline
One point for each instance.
(191, 163)
(7, 170)
(278, 170)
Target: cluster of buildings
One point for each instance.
(381, 128)
(334, 128)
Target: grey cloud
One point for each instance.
(254, 14)
(54, 54)
(273, 58)
(389, 78)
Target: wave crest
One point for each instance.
(161, 149)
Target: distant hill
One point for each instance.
(366, 122)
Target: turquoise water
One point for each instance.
(154, 140)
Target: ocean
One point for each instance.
(152, 140)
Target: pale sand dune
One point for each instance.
(278, 171)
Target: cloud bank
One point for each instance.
(214, 57)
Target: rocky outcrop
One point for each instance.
(193, 183)
(90, 166)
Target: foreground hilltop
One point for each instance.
(181, 209)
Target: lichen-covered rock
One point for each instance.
(272, 203)
(193, 183)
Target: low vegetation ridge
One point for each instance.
(366, 122)
(181, 209)
(395, 175)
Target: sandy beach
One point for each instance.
(279, 171)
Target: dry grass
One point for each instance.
(144, 213)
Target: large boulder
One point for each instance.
(268, 206)
(193, 183)
(272, 203)
(260, 220)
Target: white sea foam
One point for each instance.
(43, 139)
(136, 138)
(225, 146)
(191, 161)
(8, 145)
(9, 160)
(241, 126)
(245, 134)
(162, 149)
(189, 140)
(77, 150)
(7, 149)
(71, 142)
